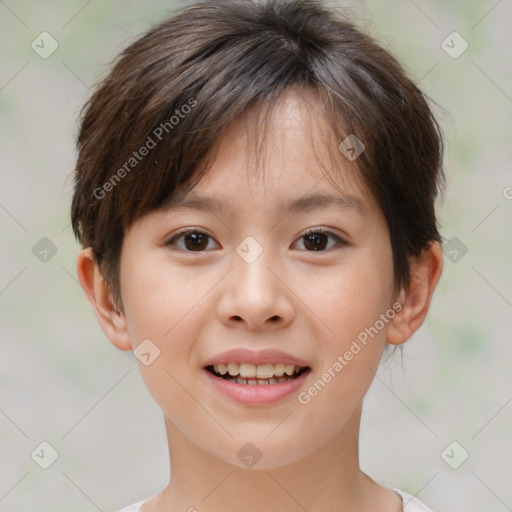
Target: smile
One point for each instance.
(254, 391)
(249, 374)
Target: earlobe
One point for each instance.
(112, 322)
(416, 298)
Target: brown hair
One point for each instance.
(159, 113)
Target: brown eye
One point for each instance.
(192, 241)
(317, 240)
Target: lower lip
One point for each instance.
(257, 394)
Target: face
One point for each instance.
(256, 287)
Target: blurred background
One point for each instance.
(437, 422)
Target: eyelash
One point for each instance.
(313, 231)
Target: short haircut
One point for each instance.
(173, 92)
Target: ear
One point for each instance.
(112, 321)
(415, 299)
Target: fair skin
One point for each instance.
(310, 304)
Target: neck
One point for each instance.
(327, 479)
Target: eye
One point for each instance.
(316, 239)
(193, 240)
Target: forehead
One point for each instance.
(287, 158)
(311, 201)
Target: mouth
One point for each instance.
(256, 378)
(249, 374)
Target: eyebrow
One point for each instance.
(307, 203)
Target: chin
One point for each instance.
(261, 454)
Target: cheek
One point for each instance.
(160, 297)
(351, 300)
(163, 305)
(351, 306)
(166, 305)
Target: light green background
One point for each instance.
(62, 382)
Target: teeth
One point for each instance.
(289, 369)
(232, 369)
(279, 369)
(264, 371)
(258, 382)
(247, 370)
(254, 372)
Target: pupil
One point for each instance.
(317, 243)
(197, 242)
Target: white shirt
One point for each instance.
(411, 504)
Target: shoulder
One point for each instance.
(412, 504)
(135, 507)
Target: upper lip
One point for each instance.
(267, 356)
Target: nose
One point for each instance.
(256, 295)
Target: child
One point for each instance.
(297, 151)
